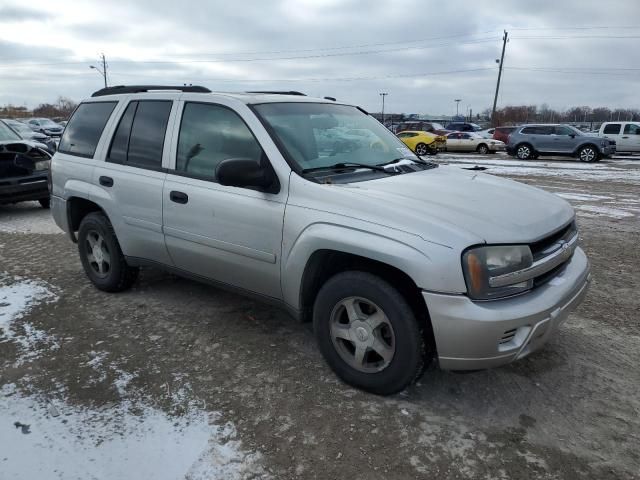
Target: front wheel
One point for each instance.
(483, 149)
(368, 333)
(421, 149)
(101, 256)
(588, 154)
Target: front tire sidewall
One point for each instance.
(408, 360)
(595, 157)
(120, 276)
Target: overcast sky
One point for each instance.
(423, 54)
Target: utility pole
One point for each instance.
(501, 62)
(457, 100)
(102, 72)
(384, 94)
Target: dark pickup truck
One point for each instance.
(24, 170)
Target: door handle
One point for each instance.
(178, 197)
(625, 137)
(106, 181)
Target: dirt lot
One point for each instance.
(175, 378)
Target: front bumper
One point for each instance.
(608, 150)
(474, 335)
(22, 189)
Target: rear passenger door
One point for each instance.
(131, 178)
(229, 234)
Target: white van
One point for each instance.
(626, 135)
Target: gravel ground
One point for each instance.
(175, 379)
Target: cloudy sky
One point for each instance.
(423, 54)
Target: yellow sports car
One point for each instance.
(423, 143)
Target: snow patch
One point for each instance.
(17, 297)
(123, 441)
(582, 196)
(595, 211)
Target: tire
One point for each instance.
(482, 149)
(524, 151)
(384, 323)
(421, 149)
(45, 202)
(101, 256)
(588, 154)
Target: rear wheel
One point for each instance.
(524, 151)
(368, 333)
(45, 202)
(588, 154)
(421, 149)
(101, 255)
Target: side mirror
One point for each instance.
(572, 135)
(244, 172)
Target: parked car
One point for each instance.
(502, 133)
(463, 127)
(532, 141)
(625, 134)
(46, 126)
(24, 167)
(423, 143)
(419, 126)
(486, 133)
(472, 142)
(26, 133)
(396, 260)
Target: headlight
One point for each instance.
(480, 264)
(42, 165)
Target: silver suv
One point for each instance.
(396, 260)
(531, 141)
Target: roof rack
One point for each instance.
(147, 88)
(277, 92)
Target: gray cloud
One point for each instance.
(456, 42)
(16, 13)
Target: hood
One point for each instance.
(484, 207)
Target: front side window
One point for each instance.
(210, 134)
(612, 128)
(85, 128)
(560, 130)
(632, 129)
(316, 135)
(7, 134)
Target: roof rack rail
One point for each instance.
(147, 88)
(278, 92)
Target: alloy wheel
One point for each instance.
(587, 155)
(421, 149)
(98, 254)
(362, 334)
(524, 152)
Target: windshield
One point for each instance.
(320, 135)
(19, 127)
(45, 122)
(6, 134)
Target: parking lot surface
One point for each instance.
(175, 379)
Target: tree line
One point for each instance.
(62, 108)
(515, 114)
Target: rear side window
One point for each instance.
(632, 128)
(83, 131)
(612, 128)
(139, 138)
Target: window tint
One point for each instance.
(464, 136)
(147, 133)
(612, 128)
(539, 130)
(210, 134)
(120, 142)
(85, 128)
(563, 131)
(631, 128)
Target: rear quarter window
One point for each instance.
(83, 132)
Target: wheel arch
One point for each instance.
(77, 209)
(587, 144)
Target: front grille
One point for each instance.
(548, 245)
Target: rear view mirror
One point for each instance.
(245, 172)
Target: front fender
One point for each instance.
(421, 266)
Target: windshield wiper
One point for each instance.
(415, 160)
(342, 165)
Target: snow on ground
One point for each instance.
(17, 297)
(131, 439)
(27, 217)
(46, 440)
(563, 169)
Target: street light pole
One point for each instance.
(384, 94)
(102, 72)
(457, 100)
